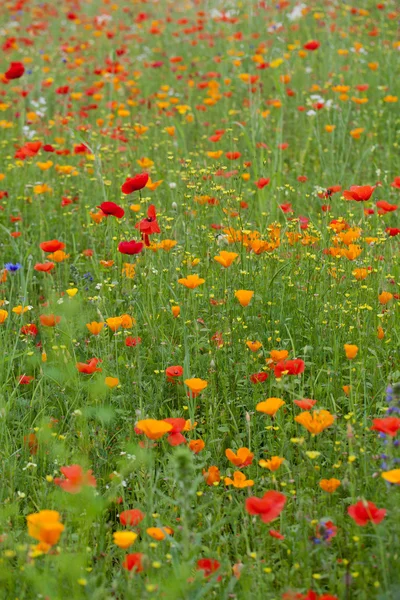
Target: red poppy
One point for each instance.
(333, 189)
(15, 70)
(387, 425)
(276, 534)
(293, 367)
(233, 155)
(311, 595)
(302, 178)
(110, 208)
(365, 511)
(173, 372)
(52, 246)
(359, 193)
(133, 184)
(286, 208)
(304, 222)
(175, 438)
(81, 149)
(312, 45)
(29, 149)
(396, 183)
(262, 182)
(259, 377)
(44, 267)
(31, 442)
(131, 248)
(89, 366)
(30, 329)
(25, 379)
(133, 562)
(130, 342)
(75, 479)
(149, 225)
(208, 566)
(392, 231)
(218, 339)
(269, 507)
(305, 404)
(385, 207)
(132, 517)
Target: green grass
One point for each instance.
(305, 301)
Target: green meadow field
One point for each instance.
(199, 300)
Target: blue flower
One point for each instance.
(12, 268)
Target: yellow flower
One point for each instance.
(313, 454)
(316, 422)
(175, 311)
(19, 310)
(58, 256)
(170, 130)
(127, 321)
(124, 539)
(253, 346)
(159, 533)
(191, 281)
(360, 274)
(244, 296)
(45, 527)
(392, 476)
(270, 406)
(390, 98)
(351, 351)
(111, 382)
(239, 480)
(226, 258)
(329, 485)
(95, 327)
(140, 129)
(128, 270)
(385, 297)
(114, 323)
(272, 464)
(154, 429)
(196, 385)
(215, 154)
(153, 185)
(356, 133)
(45, 165)
(41, 188)
(145, 162)
(278, 355)
(72, 292)
(167, 245)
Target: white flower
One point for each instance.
(297, 12)
(28, 133)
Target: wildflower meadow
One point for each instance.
(199, 300)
